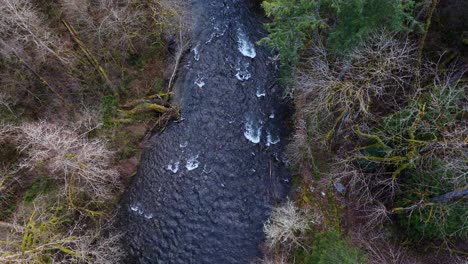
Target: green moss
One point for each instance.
(123, 88)
(296, 181)
(401, 146)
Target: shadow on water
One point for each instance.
(206, 184)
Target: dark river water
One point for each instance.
(207, 184)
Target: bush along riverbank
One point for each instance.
(380, 143)
(82, 86)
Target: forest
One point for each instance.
(378, 150)
(380, 142)
(83, 86)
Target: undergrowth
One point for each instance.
(390, 126)
(330, 247)
(82, 83)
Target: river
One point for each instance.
(209, 181)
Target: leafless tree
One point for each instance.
(24, 32)
(36, 234)
(73, 159)
(287, 224)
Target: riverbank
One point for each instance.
(83, 86)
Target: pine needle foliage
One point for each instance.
(296, 24)
(357, 19)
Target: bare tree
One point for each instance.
(70, 158)
(178, 23)
(36, 234)
(24, 32)
(287, 224)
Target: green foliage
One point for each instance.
(330, 248)
(42, 185)
(127, 144)
(412, 145)
(109, 106)
(432, 220)
(400, 141)
(158, 86)
(346, 23)
(293, 25)
(123, 90)
(357, 19)
(292, 29)
(140, 59)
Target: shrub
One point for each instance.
(414, 155)
(431, 219)
(287, 224)
(386, 130)
(40, 186)
(44, 234)
(30, 49)
(330, 247)
(336, 95)
(380, 248)
(5, 102)
(68, 157)
(109, 27)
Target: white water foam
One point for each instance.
(243, 75)
(196, 53)
(244, 45)
(148, 216)
(260, 92)
(219, 31)
(136, 209)
(199, 82)
(270, 140)
(253, 131)
(139, 211)
(174, 167)
(192, 163)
